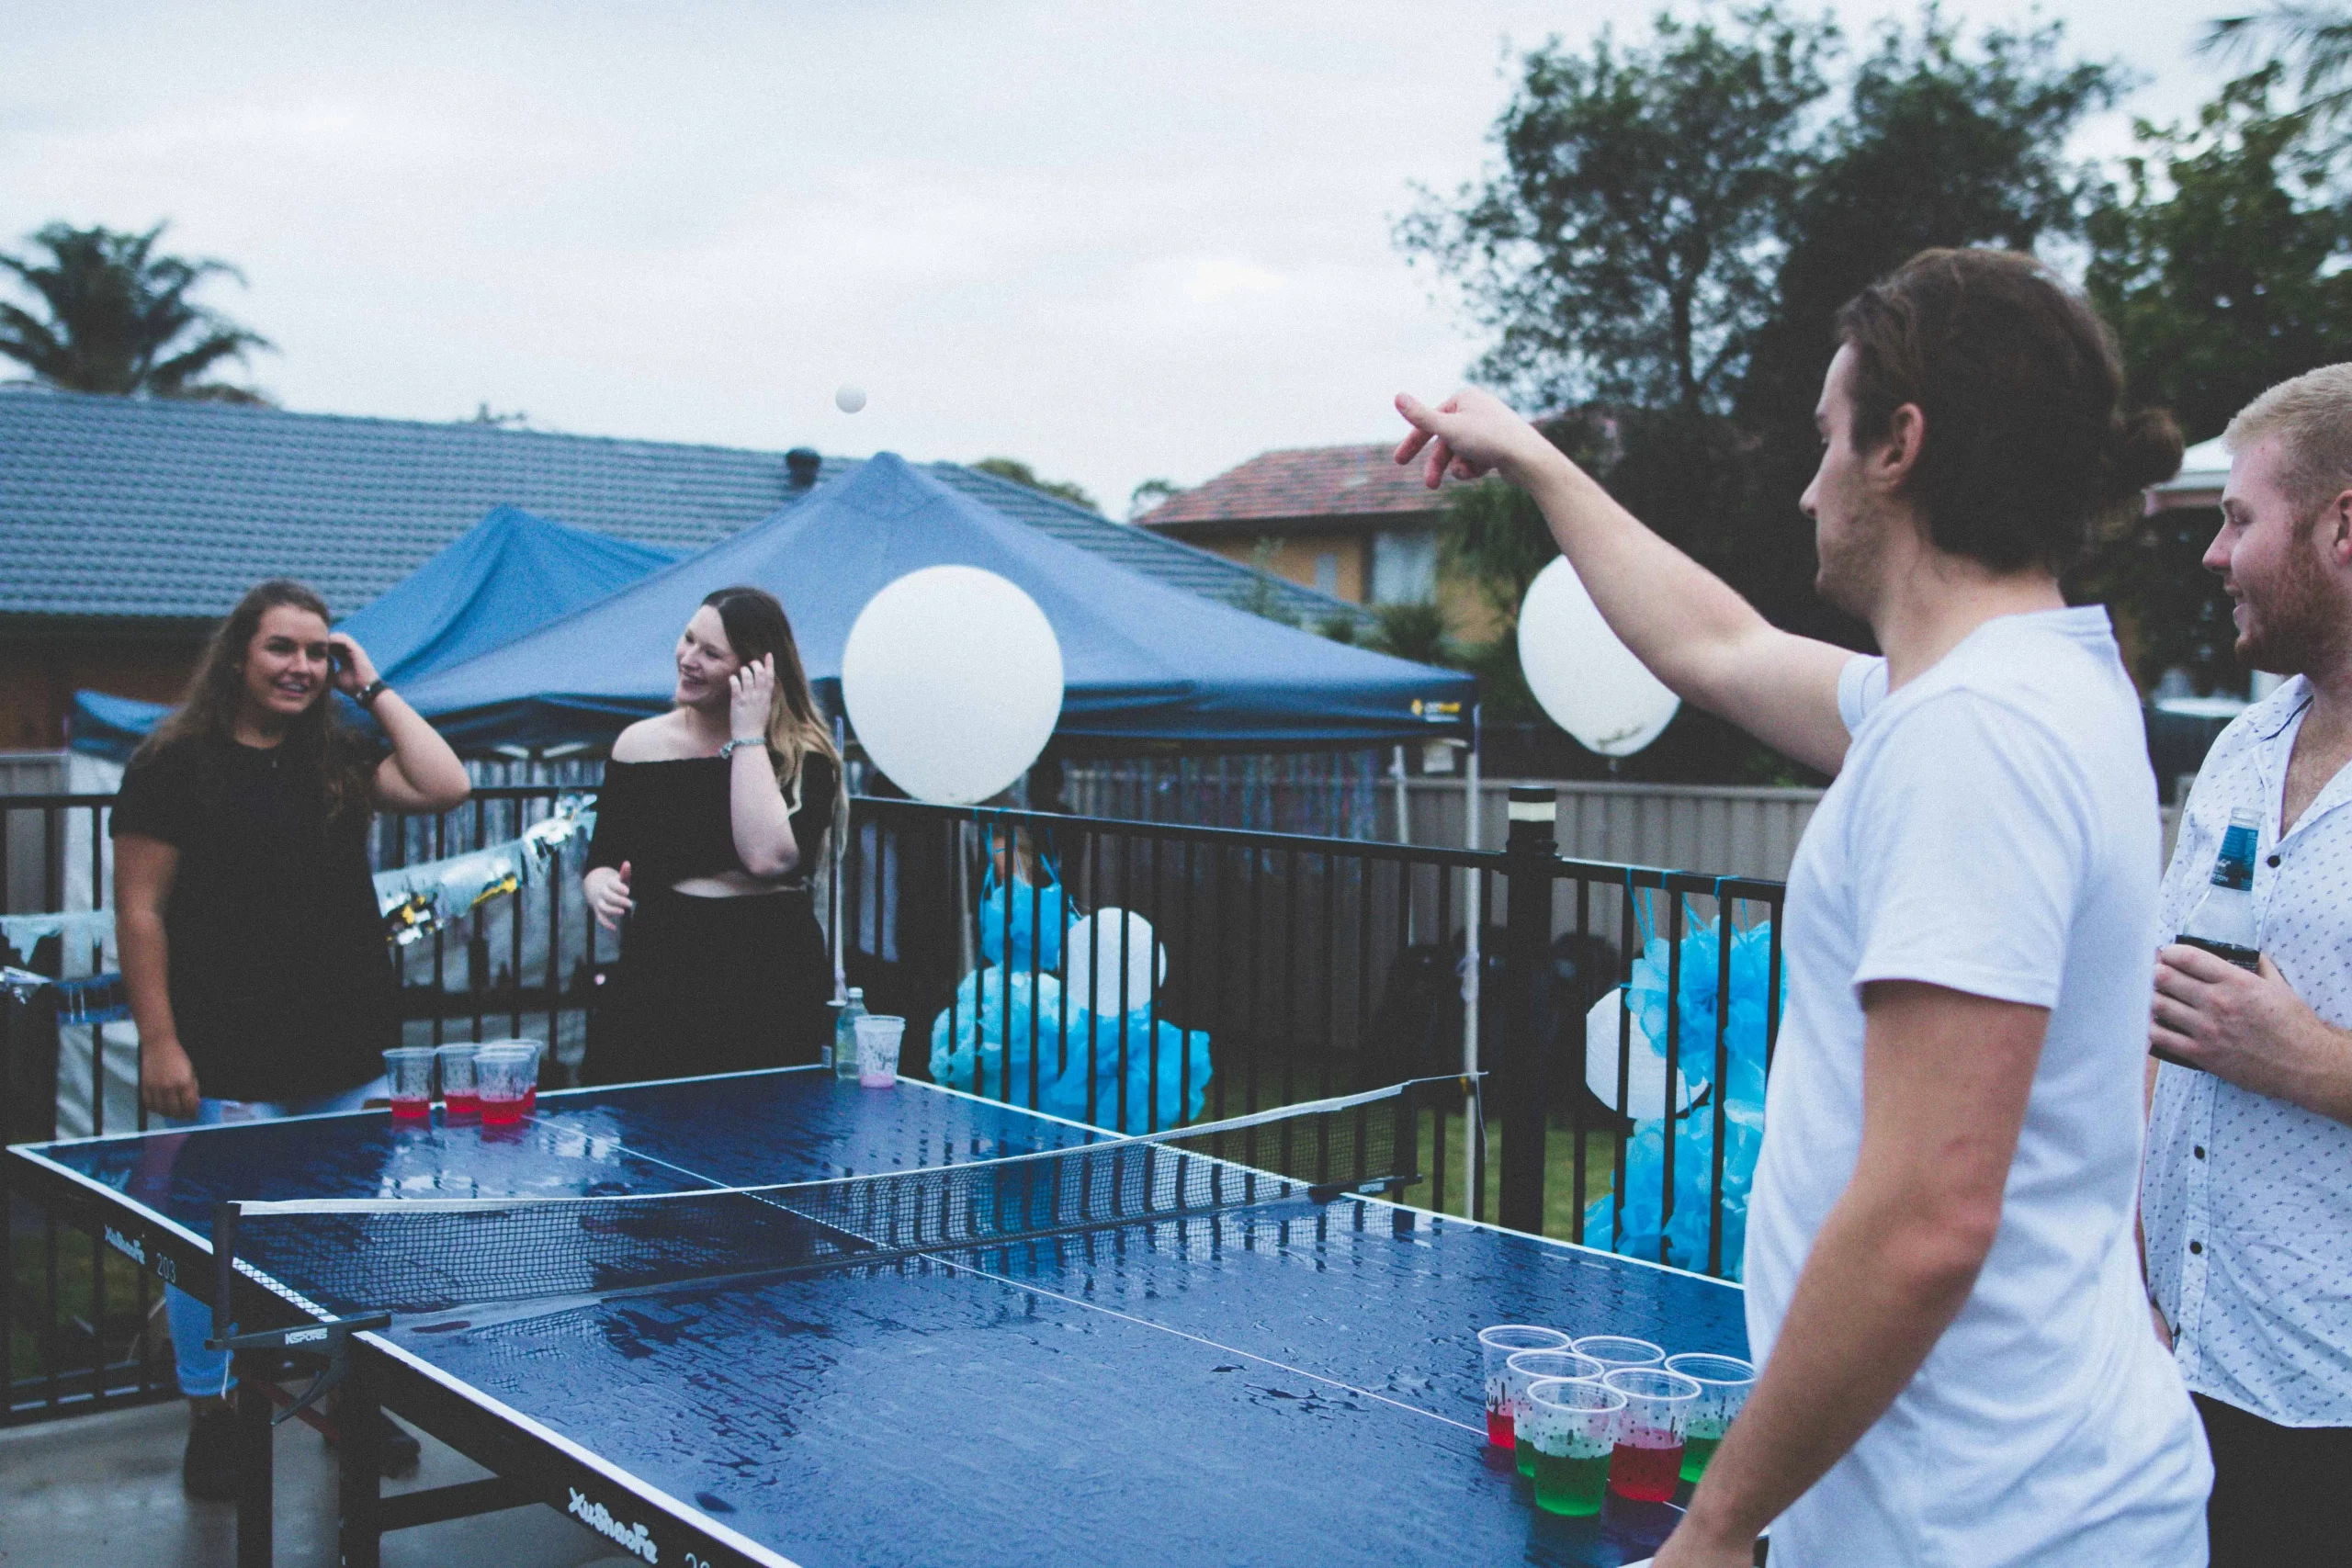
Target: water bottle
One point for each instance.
(845, 1034)
(2222, 923)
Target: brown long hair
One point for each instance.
(315, 738)
(757, 625)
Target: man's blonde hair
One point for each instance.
(2311, 416)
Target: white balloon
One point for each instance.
(1644, 1081)
(1093, 946)
(848, 400)
(952, 679)
(1588, 681)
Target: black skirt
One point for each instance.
(711, 986)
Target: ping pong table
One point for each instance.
(1297, 1382)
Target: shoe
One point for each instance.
(396, 1452)
(208, 1469)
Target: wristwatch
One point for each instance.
(365, 696)
(727, 751)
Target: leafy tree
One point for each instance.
(1414, 630)
(1629, 172)
(2312, 43)
(1624, 250)
(2216, 263)
(120, 319)
(1148, 494)
(1944, 143)
(1021, 473)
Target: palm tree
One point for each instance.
(2313, 39)
(121, 320)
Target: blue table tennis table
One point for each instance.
(1296, 1385)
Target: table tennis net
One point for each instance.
(413, 1256)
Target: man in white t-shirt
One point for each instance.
(1943, 1281)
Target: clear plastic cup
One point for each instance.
(1725, 1383)
(1524, 1369)
(538, 1058)
(1616, 1350)
(878, 1035)
(1496, 1346)
(454, 1065)
(408, 1069)
(1646, 1463)
(1573, 1425)
(504, 1076)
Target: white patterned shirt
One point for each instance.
(2246, 1200)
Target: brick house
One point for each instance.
(1344, 521)
(128, 526)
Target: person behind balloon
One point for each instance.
(709, 829)
(252, 946)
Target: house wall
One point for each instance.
(40, 673)
(1294, 556)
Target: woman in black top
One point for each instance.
(710, 826)
(245, 911)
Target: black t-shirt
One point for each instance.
(672, 820)
(281, 982)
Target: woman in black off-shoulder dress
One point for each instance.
(710, 830)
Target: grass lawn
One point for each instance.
(1559, 1169)
(27, 1288)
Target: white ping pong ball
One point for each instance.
(848, 400)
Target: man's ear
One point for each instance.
(1893, 460)
(2333, 530)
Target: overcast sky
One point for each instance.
(1117, 240)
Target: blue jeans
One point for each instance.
(204, 1372)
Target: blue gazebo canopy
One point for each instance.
(507, 575)
(1145, 662)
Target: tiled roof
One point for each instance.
(1301, 482)
(120, 507)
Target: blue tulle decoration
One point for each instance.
(988, 1045)
(1641, 1227)
(1032, 907)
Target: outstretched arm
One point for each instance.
(1695, 634)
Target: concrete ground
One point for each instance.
(105, 1490)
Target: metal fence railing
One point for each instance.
(1294, 967)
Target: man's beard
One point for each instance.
(1848, 574)
(2298, 627)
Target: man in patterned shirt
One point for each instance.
(2246, 1199)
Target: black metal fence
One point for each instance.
(1294, 968)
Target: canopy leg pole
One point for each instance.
(1472, 916)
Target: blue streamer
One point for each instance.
(1640, 1226)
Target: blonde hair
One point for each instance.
(2311, 416)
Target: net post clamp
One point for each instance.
(329, 1339)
